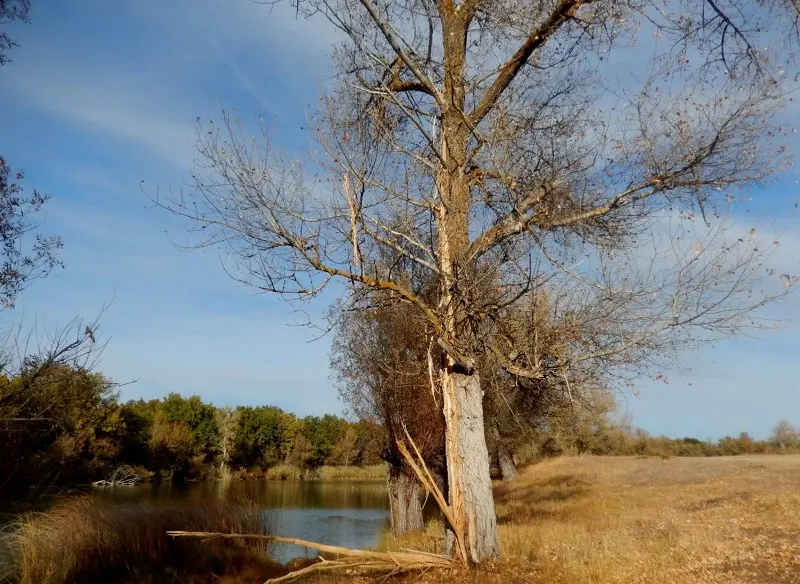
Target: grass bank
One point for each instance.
(83, 540)
(602, 520)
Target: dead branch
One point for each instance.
(424, 476)
(354, 559)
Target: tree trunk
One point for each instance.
(470, 485)
(405, 493)
(507, 468)
(469, 482)
(505, 460)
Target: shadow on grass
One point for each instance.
(713, 502)
(529, 499)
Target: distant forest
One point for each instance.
(68, 427)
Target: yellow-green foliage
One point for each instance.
(61, 422)
(286, 472)
(350, 473)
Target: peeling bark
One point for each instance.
(468, 466)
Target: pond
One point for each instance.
(350, 514)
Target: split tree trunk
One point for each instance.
(470, 485)
(405, 493)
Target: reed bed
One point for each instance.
(289, 472)
(84, 540)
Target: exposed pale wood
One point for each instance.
(354, 559)
(351, 203)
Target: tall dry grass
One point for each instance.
(628, 520)
(284, 472)
(350, 473)
(655, 521)
(582, 520)
(83, 540)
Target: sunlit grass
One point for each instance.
(615, 520)
(581, 520)
(83, 540)
(603, 520)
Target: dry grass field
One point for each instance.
(629, 520)
(586, 520)
(615, 520)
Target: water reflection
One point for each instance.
(349, 514)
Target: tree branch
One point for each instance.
(563, 12)
(379, 284)
(512, 368)
(511, 224)
(406, 58)
(468, 8)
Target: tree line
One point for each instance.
(603, 434)
(68, 427)
(188, 437)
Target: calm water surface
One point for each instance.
(349, 514)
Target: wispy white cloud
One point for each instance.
(146, 89)
(109, 104)
(244, 25)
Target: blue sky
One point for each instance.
(102, 95)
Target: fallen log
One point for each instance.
(347, 558)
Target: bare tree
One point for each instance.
(785, 435)
(26, 354)
(483, 143)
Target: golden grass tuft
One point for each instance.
(284, 472)
(84, 540)
(350, 473)
(425, 540)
